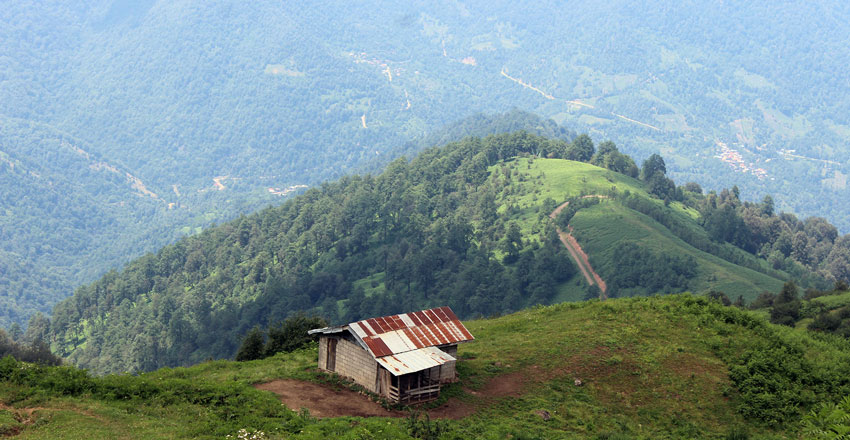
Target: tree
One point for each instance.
(608, 156)
(621, 163)
(767, 206)
(15, 332)
(605, 148)
(37, 329)
(581, 149)
(252, 346)
(693, 187)
(786, 306)
(654, 164)
(592, 292)
(661, 186)
(512, 243)
(765, 299)
(720, 297)
(603, 151)
(739, 303)
(291, 334)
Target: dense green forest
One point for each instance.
(465, 225)
(70, 215)
(216, 108)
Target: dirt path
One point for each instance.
(526, 85)
(636, 122)
(577, 253)
(327, 401)
(573, 101)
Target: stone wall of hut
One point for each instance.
(356, 363)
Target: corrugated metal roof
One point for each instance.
(413, 361)
(327, 330)
(396, 334)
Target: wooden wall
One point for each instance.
(323, 352)
(448, 373)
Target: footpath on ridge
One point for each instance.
(578, 254)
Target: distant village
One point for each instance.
(285, 191)
(734, 159)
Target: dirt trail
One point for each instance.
(573, 101)
(636, 122)
(577, 253)
(327, 401)
(526, 85)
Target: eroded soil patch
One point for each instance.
(327, 401)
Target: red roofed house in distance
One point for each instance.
(405, 358)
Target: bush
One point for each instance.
(774, 369)
(37, 352)
(291, 334)
(828, 421)
(252, 346)
(287, 336)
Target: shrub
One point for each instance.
(829, 421)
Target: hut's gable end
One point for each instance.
(448, 372)
(355, 362)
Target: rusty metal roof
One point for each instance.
(391, 335)
(413, 361)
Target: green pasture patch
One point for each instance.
(601, 227)
(834, 301)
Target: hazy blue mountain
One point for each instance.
(217, 107)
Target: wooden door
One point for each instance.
(331, 362)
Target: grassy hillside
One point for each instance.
(833, 301)
(601, 227)
(660, 367)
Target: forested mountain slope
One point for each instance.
(465, 225)
(218, 107)
(67, 215)
(67, 206)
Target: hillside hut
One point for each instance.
(405, 358)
